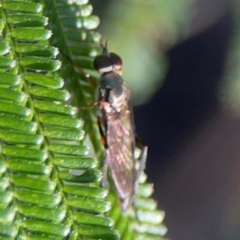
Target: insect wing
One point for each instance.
(120, 152)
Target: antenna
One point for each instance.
(104, 47)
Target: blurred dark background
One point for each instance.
(189, 95)
(174, 118)
(193, 136)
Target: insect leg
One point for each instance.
(88, 106)
(143, 158)
(105, 164)
(104, 173)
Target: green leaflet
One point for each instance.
(20, 6)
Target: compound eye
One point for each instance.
(103, 64)
(116, 60)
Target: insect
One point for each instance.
(117, 129)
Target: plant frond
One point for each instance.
(73, 33)
(49, 186)
(72, 25)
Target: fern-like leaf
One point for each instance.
(79, 43)
(48, 185)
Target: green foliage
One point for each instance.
(231, 85)
(49, 186)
